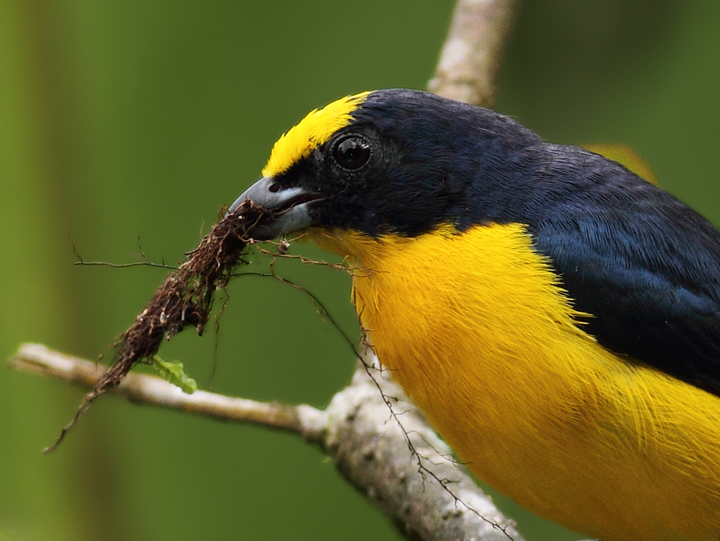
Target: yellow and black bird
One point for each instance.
(555, 316)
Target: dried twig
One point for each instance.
(303, 420)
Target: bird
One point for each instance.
(554, 316)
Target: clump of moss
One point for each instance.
(184, 299)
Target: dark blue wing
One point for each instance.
(646, 266)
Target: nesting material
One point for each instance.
(184, 299)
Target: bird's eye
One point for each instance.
(352, 152)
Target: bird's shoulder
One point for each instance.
(644, 265)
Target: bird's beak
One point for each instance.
(289, 208)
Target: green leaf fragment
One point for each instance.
(172, 372)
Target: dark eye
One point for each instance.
(352, 153)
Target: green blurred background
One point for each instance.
(125, 125)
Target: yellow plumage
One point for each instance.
(559, 424)
(312, 131)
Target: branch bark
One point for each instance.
(470, 58)
(303, 420)
(367, 445)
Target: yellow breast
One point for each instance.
(480, 335)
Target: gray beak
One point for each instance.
(289, 206)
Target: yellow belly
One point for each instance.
(481, 337)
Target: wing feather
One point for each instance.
(646, 266)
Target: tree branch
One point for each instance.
(470, 58)
(356, 431)
(303, 420)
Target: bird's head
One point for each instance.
(388, 162)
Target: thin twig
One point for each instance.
(303, 420)
(124, 265)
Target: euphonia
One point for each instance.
(555, 316)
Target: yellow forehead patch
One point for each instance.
(311, 132)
